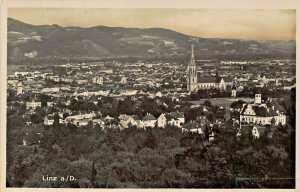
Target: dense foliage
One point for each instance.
(147, 158)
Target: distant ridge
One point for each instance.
(102, 41)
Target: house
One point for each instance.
(193, 126)
(123, 80)
(49, 120)
(56, 78)
(80, 120)
(126, 120)
(173, 121)
(33, 104)
(12, 81)
(81, 81)
(179, 116)
(149, 120)
(97, 80)
(255, 130)
(50, 104)
(98, 122)
(158, 94)
(50, 90)
(162, 121)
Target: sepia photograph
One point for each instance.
(115, 97)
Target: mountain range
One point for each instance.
(39, 41)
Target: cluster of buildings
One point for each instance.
(92, 81)
(272, 74)
(176, 119)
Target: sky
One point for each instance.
(267, 24)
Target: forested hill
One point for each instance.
(41, 41)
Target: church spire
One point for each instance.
(192, 61)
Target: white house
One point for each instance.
(97, 80)
(81, 119)
(162, 121)
(49, 119)
(123, 80)
(179, 116)
(33, 104)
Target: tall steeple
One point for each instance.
(192, 60)
(192, 73)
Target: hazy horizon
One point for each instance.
(214, 23)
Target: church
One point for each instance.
(195, 83)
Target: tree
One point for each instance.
(56, 120)
(93, 174)
(34, 118)
(150, 141)
(207, 103)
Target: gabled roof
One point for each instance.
(213, 79)
(149, 117)
(276, 105)
(264, 112)
(191, 125)
(177, 114)
(50, 117)
(169, 117)
(207, 79)
(227, 79)
(135, 117)
(260, 111)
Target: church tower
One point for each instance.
(192, 73)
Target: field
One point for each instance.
(222, 101)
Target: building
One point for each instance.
(195, 83)
(80, 120)
(192, 73)
(162, 121)
(49, 119)
(12, 81)
(193, 127)
(81, 81)
(173, 119)
(97, 80)
(19, 88)
(123, 80)
(126, 120)
(33, 104)
(179, 116)
(262, 113)
(149, 120)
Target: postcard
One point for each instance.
(148, 95)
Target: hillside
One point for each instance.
(101, 41)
